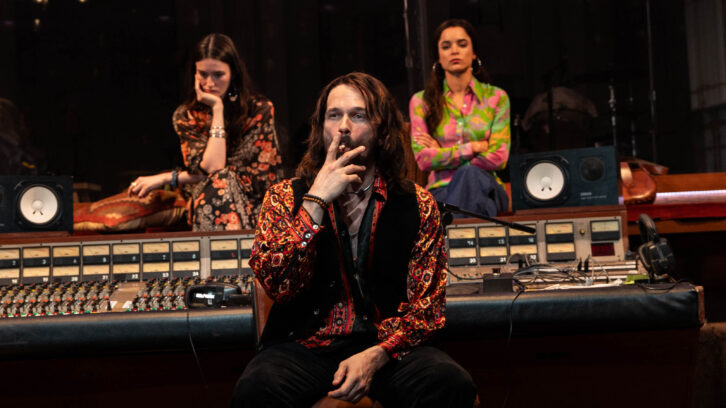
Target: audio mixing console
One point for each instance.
(592, 242)
(149, 272)
(124, 273)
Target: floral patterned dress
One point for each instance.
(230, 198)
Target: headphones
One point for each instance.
(654, 253)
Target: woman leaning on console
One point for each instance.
(228, 142)
(460, 125)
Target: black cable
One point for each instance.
(509, 342)
(602, 269)
(478, 278)
(647, 288)
(557, 276)
(205, 387)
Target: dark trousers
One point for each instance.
(290, 375)
(475, 190)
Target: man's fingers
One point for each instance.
(336, 394)
(349, 155)
(345, 390)
(351, 391)
(354, 168)
(339, 374)
(357, 397)
(333, 148)
(353, 178)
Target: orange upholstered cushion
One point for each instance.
(120, 212)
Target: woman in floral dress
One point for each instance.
(228, 142)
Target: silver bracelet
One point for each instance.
(218, 133)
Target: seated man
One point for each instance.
(353, 256)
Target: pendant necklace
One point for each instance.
(364, 189)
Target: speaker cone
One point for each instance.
(38, 205)
(544, 181)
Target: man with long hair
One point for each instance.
(353, 256)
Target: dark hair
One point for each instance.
(434, 90)
(220, 47)
(386, 121)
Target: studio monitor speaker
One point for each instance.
(564, 178)
(36, 203)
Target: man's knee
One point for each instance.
(442, 382)
(257, 376)
(451, 386)
(264, 380)
(451, 377)
(255, 383)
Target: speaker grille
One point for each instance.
(38, 205)
(544, 181)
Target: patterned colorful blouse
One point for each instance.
(229, 199)
(285, 249)
(484, 115)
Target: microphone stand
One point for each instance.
(448, 209)
(651, 83)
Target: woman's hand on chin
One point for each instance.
(211, 100)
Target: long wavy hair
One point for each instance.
(434, 90)
(386, 121)
(221, 48)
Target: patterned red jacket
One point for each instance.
(289, 254)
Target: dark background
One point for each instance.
(97, 81)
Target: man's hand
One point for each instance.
(336, 174)
(357, 371)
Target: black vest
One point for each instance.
(395, 236)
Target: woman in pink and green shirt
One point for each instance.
(460, 125)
